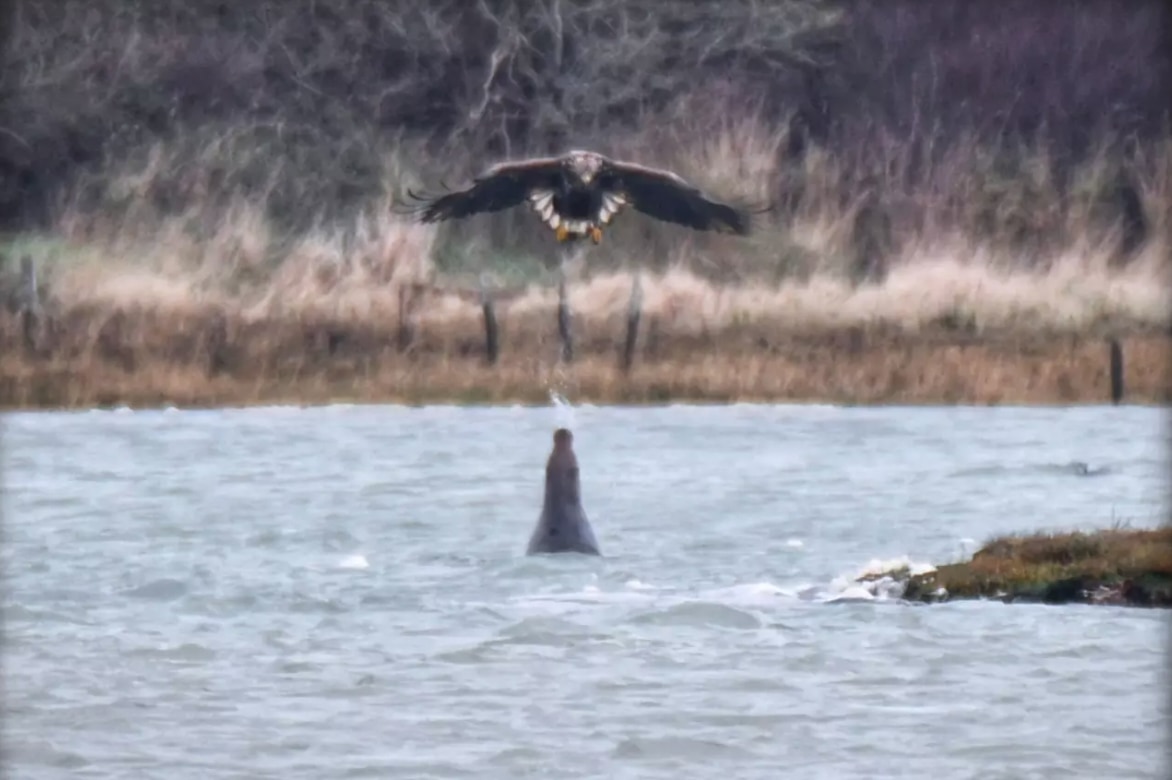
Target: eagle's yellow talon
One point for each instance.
(596, 234)
(562, 232)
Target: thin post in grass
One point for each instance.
(634, 313)
(569, 255)
(564, 332)
(1115, 351)
(30, 302)
(405, 334)
(491, 330)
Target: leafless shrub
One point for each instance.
(872, 127)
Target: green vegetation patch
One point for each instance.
(1112, 566)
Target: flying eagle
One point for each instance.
(579, 192)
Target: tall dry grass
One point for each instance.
(216, 304)
(951, 251)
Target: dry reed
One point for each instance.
(216, 305)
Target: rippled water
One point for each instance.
(341, 592)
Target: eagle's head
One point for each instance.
(584, 165)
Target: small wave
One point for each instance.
(682, 749)
(158, 590)
(187, 651)
(41, 753)
(17, 613)
(520, 757)
(634, 584)
(533, 626)
(464, 655)
(747, 593)
(545, 631)
(588, 596)
(266, 538)
(699, 614)
(311, 605)
(220, 607)
(67, 594)
(794, 543)
(336, 539)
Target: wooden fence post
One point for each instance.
(491, 332)
(30, 303)
(406, 332)
(634, 312)
(1116, 370)
(564, 321)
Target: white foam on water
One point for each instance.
(881, 589)
(354, 562)
(588, 598)
(878, 566)
(747, 593)
(634, 584)
(858, 592)
(880, 586)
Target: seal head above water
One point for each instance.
(563, 526)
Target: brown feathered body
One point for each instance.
(579, 193)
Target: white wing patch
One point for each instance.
(542, 203)
(612, 204)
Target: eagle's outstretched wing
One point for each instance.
(500, 187)
(666, 196)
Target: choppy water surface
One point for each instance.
(341, 592)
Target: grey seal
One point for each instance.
(563, 526)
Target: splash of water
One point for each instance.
(563, 410)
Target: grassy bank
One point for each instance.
(1111, 566)
(218, 305)
(819, 342)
